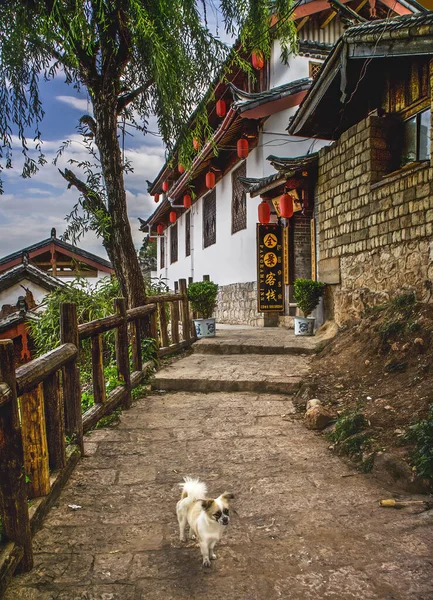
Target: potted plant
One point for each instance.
(307, 295)
(202, 296)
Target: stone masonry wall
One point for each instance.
(301, 233)
(375, 229)
(237, 304)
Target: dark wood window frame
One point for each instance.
(162, 252)
(239, 200)
(174, 239)
(209, 219)
(188, 233)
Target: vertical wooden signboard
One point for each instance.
(286, 255)
(270, 282)
(313, 249)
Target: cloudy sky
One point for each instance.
(29, 208)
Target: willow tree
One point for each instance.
(135, 58)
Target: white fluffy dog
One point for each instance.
(206, 517)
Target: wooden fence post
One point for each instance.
(175, 321)
(163, 324)
(154, 329)
(13, 487)
(122, 350)
(186, 322)
(99, 392)
(71, 375)
(137, 361)
(176, 287)
(35, 442)
(54, 417)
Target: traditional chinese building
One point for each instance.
(374, 185)
(214, 231)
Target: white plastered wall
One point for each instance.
(10, 296)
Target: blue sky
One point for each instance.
(29, 208)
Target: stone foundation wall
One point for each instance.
(376, 229)
(237, 304)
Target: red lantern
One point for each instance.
(210, 180)
(242, 148)
(181, 168)
(221, 108)
(160, 229)
(196, 144)
(258, 60)
(187, 201)
(286, 206)
(172, 216)
(156, 197)
(165, 186)
(264, 212)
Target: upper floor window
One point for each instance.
(314, 69)
(209, 219)
(173, 243)
(416, 138)
(188, 233)
(162, 252)
(239, 197)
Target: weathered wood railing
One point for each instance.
(40, 408)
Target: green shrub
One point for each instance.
(307, 294)
(404, 301)
(348, 423)
(422, 455)
(202, 296)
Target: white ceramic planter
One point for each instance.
(304, 326)
(205, 327)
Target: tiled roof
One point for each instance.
(29, 271)
(403, 26)
(245, 101)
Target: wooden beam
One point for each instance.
(301, 23)
(328, 19)
(360, 5)
(313, 7)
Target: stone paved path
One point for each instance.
(306, 526)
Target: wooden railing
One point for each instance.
(41, 420)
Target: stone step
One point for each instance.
(281, 374)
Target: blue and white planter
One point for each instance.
(205, 327)
(304, 326)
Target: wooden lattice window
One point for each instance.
(314, 68)
(239, 200)
(173, 243)
(209, 219)
(162, 252)
(188, 234)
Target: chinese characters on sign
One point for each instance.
(270, 268)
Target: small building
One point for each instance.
(374, 184)
(206, 220)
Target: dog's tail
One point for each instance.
(193, 489)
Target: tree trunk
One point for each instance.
(119, 245)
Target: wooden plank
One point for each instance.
(35, 442)
(98, 377)
(175, 322)
(55, 421)
(13, 488)
(86, 330)
(163, 324)
(5, 394)
(28, 376)
(71, 376)
(142, 311)
(329, 270)
(175, 347)
(10, 556)
(122, 350)
(160, 298)
(186, 322)
(115, 398)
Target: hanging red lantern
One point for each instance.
(258, 60)
(242, 148)
(196, 144)
(172, 216)
(156, 197)
(160, 229)
(165, 186)
(264, 212)
(221, 108)
(187, 201)
(286, 206)
(210, 180)
(181, 168)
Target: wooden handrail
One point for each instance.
(140, 311)
(28, 376)
(86, 330)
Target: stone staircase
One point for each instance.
(241, 359)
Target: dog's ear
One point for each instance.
(206, 504)
(227, 496)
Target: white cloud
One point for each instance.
(78, 103)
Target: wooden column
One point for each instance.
(122, 350)
(186, 322)
(154, 328)
(54, 418)
(137, 361)
(175, 321)
(163, 324)
(13, 488)
(71, 376)
(98, 377)
(35, 442)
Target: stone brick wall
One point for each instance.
(375, 229)
(301, 235)
(237, 304)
